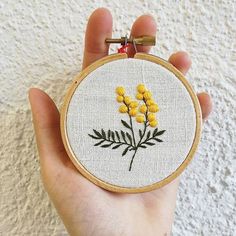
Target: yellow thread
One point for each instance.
(133, 104)
(139, 96)
(150, 102)
(140, 118)
(127, 100)
(133, 112)
(144, 112)
(153, 108)
(141, 88)
(119, 98)
(147, 95)
(123, 109)
(153, 123)
(151, 117)
(120, 91)
(143, 109)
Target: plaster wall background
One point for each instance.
(41, 45)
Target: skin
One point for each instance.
(85, 208)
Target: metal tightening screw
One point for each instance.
(144, 40)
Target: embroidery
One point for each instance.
(143, 111)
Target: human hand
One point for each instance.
(85, 208)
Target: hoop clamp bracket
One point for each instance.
(145, 40)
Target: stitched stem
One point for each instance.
(139, 143)
(132, 130)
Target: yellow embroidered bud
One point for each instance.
(140, 118)
(120, 91)
(133, 104)
(119, 98)
(153, 108)
(141, 88)
(147, 95)
(127, 100)
(151, 117)
(153, 123)
(123, 109)
(139, 96)
(143, 109)
(150, 102)
(133, 112)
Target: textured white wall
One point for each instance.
(41, 44)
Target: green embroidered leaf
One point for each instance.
(125, 151)
(103, 134)
(160, 133)
(115, 147)
(140, 133)
(155, 132)
(148, 134)
(109, 134)
(94, 137)
(129, 137)
(150, 143)
(123, 135)
(113, 135)
(97, 144)
(117, 135)
(158, 140)
(125, 124)
(97, 133)
(142, 146)
(106, 145)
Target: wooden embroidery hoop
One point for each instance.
(114, 188)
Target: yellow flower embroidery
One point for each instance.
(150, 102)
(153, 108)
(151, 117)
(127, 100)
(133, 104)
(123, 109)
(120, 91)
(141, 88)
(119, 98)
(147, 95)
(140, 118)
(143, 111)
(139, 96)
(133, 112)
(153, 123)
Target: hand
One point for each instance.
(85, 208)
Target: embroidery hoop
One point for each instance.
(115, 188)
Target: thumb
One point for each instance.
(46, 119)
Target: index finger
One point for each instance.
(99, 28)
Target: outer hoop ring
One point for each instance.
(83, 170)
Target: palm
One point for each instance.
(85, 208)
(132, 214)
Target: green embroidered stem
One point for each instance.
(144, 130)
(130, 165)
(132, 130)
(131, 124)
(139, 143)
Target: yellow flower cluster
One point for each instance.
(129, 105)
(132, 107)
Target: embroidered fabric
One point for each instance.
(94, 106)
